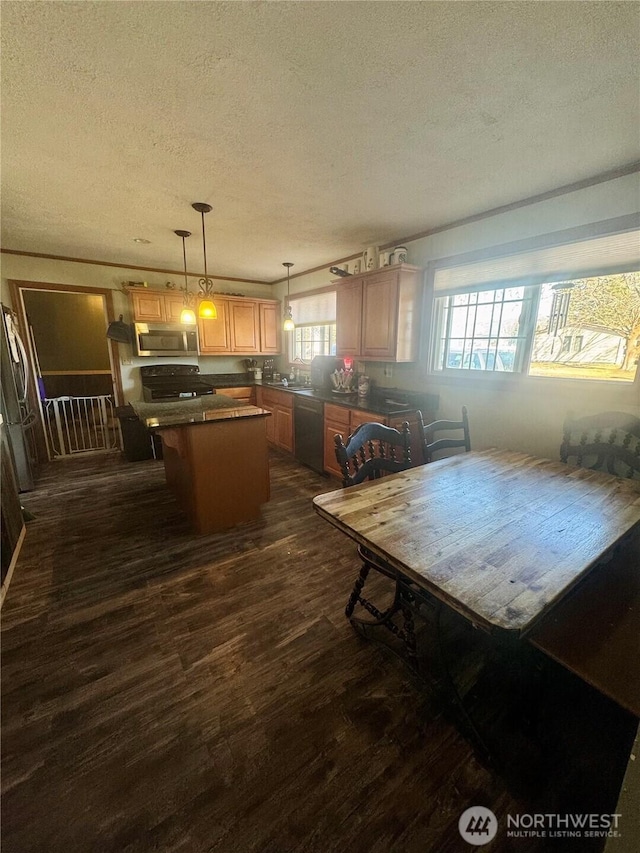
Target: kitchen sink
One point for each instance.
(291, 386)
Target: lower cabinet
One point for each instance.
(396, 422)
(357, 417)
(280, 424)
(338, 419)
(243, 395)
(284, 427)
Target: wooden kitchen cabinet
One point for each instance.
(349, 317)
(416, 447)
(336, 421)
(280, 404)
(243, 327)
(148, 306)
(213, 335)
(242, 395)
(339, 419)
(264, 402)
(155, 306)
(269, 316)
(378, 314)
(284, 427)
(173, 305)
(357, 417)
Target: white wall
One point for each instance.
(91, 275)
(516, 412)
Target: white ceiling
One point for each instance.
(314, 129)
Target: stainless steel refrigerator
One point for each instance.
(19, 417)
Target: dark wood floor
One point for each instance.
(168, 692)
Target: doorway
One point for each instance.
(73, 362)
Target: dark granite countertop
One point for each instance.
(197, 418)
(188, 406)
(389, 401)
(382, 401)
(228, 380)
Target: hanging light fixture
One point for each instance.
(187, 315)
(207, 308)
(288, 324)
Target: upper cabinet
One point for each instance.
(269, 316)
(156, 306)
(213, 335)
(349, 316)
(378, 314)
(243, 327)
(173, 305)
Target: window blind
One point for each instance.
(590, 257)
(316, 308)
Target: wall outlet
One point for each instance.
(360, 367)
(125, 361)
(388, 371)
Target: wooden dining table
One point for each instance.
(499, 536)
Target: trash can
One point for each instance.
(138, 442)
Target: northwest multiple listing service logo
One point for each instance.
(479, 825)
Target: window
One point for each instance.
(314, 314)
(523, 313)
(600, 332)
(309, 341)
(482, 330)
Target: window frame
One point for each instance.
(434, 310)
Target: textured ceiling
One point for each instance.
(314, 129)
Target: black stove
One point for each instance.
(168, 382)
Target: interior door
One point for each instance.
(64, 327)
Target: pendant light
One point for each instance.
(288, 324)
(207, 309)
(187, 315)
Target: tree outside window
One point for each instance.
(602, 322)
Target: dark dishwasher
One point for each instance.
(308, 419)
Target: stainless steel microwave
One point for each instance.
(158, 339)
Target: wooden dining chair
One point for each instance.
(609, 442)
(431, 444)
(371, 451)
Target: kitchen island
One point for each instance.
(216, 463)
